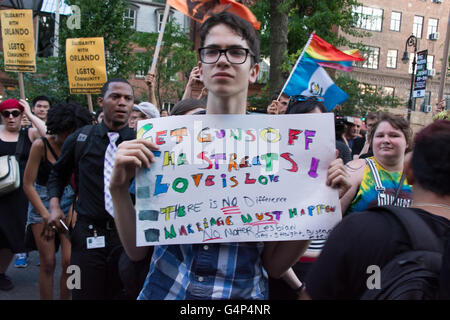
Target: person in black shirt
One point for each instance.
(372, 238)
(96, 246)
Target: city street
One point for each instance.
(25, 280)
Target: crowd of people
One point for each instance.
(76, 191)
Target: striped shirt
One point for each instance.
(206, 271)
(367, 196)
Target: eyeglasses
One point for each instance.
(233, 55)
(14, 113)
(304, 98)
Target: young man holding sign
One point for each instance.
(229, 62)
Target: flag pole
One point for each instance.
(295, 66)
(21, 86)
(90, 106)
(158, 43)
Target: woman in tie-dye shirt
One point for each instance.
(389, 138)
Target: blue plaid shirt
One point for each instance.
(206, 271)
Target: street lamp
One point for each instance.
(411, 42)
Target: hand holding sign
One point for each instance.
(216, 180)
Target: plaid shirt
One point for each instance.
(206, 271)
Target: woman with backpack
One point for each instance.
(379, 180)
(62, 120)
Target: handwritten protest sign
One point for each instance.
(86, 68)
(234, 178)
(18, 40)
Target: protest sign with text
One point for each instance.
(18, 40)
(86, 67)
(236, 178)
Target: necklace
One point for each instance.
(427, 204)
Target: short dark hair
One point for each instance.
(106, 85)
(186, 105)
(65, 117)
(241, 26)
(41, 98)
(430, 158)
(396, 121)
(306, 106)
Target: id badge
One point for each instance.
(95, 242)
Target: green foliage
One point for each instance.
(100, 19)
(259, 102)
(176, 56)
(306, 16)
(363, 97)
(43, 82)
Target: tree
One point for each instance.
(101, 19)
(176, 56)
(304, 17)
(363, 97)
(43, 82)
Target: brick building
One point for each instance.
(391, 23)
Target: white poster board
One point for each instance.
(237, 178)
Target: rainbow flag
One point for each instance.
(326, 55)
(200, 10)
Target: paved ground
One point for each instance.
(26, 286)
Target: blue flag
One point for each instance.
(310, 79)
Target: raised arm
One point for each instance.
(39, 125)
(150, 81)
(130, 155)
(194, 77)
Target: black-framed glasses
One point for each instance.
(304, 98)
(234, 55)
(15, 113)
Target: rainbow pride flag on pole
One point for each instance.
(326, 55)
(308, 78)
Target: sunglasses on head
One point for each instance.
(304, 98)
(14, 113)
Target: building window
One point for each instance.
(371, 56)
(130, 15)
(447, 101)
(426, 100)
(432, 27)
(430, 62)
(396, 20)
(391, 59)
(368, 18)
(388, 91)
(418, 26)
(168, 105)
(142, 64)
(410, 62)
(159, 18)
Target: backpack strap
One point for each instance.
(82, 139)
(419, 232)
(378, 185)
(47, 144)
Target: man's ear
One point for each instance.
(254, 73)
(407, 168)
